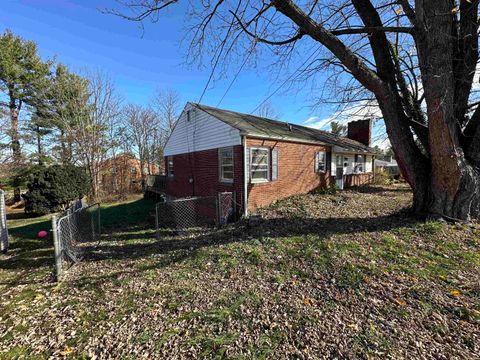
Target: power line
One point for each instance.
(219, 55)
(287, 80)
(236, 75)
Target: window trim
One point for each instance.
(317, 156)
(357, 163)
(220, 165)
(260, 181)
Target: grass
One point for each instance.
(334, 281)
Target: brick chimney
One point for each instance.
(361, 131)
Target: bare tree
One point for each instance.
(166, 104)
(88, 127)
(141, 125)
(416, 60)
(267, 110)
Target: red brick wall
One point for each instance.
(296, 172)
(202, 168)
(360, 130)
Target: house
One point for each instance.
(389, 165)
(122, 174)
(211, 150)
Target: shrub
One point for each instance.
(52, 188)
(326, 190)
(383, 177)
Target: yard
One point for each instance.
(349, 275)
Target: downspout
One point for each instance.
(245, 177)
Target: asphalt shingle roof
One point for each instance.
(267, 128)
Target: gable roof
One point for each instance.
(272, 129)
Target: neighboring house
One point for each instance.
(122, 174)
(388, 164)
(212, 150)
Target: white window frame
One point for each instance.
(267, 179)
(317, 163)
(221, 165)
(170, 171)
(357, 164)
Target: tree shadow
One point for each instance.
(378, 189)
(275, 228)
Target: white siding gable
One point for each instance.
(201, 132)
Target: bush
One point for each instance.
(52, 188)
(383, 177)
(326, 190)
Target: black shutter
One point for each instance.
(274, 175)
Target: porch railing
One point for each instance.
(156, 184)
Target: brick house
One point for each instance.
(212, 150)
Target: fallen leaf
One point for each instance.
(353, 326)
(455, 293)
(67, 351)
(308, 301)
(401, 302)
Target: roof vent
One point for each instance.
(289, 126)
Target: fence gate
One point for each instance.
(75, 232)
(3, 224)
(226, 208)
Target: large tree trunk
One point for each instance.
(39, 146)
(16, 150)
(454, 186)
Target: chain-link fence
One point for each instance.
(75, 232)
(196, 212)
(3, 224)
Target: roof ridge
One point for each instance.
(276, 121)
(277, 127)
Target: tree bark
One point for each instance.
(16, 150)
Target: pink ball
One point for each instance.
(42, 234)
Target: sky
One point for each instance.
(142, 60)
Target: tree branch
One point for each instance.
(466, 56)
(150, 9)
(408, 10)
(372, 29)
(298, 36)
(366, 76)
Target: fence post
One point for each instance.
(157, 230)
(3, 224)
(58, 248)
(218, 207)
(234, 205)
(99, 219)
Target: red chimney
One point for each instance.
(361, 131)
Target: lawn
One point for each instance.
(350, 275)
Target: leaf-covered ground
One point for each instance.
(350, 275)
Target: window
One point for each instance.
(339, 160)
(170, 165)
(225, 161)
(360, 166)
(259, 164)
(320, 162)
